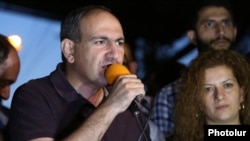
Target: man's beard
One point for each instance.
(203, 46)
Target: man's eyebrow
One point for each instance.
(121, 39)
(106, 38)
(207, 20)
(99, 37)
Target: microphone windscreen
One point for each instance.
(114, 71)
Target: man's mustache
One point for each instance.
(220, 37)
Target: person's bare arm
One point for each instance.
(93, 128)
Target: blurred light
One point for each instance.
(16, 41)
(186, 59)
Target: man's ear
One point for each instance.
(192, 37)
(67, 47)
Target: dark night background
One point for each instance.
(157, 24)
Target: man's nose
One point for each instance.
(113, 50)
(221, 30)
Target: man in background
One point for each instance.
(212, 27)
(9, 70)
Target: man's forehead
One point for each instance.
(210, 12)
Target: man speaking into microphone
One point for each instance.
(72, 102)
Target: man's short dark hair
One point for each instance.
(209, 3)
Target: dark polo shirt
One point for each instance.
(50, 107)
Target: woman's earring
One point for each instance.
(243, 106)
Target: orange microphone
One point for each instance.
(114, 71)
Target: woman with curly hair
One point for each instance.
(214, 90)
